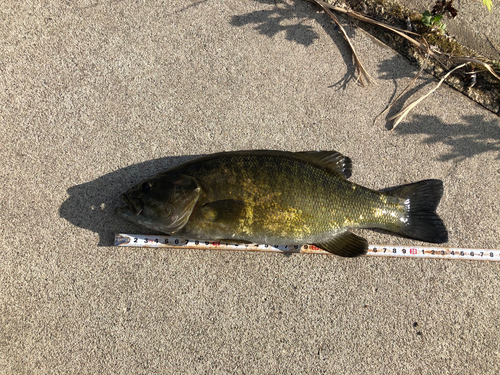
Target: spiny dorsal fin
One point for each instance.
(331, 159)
(346, 244)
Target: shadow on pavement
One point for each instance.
(91, 205)
(271, 22)
(289, 17)
(473, 136)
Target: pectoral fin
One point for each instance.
(223, 211)
(346, 244)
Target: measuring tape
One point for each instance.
(141, 240)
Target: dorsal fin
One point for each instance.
(330, 159)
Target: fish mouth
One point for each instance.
(134, 205)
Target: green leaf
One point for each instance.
(488, 4)
(437, 18)
(426, 18)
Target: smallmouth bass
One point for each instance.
(279, 197)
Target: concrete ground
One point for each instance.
(97, 95)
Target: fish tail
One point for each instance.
(421, 199)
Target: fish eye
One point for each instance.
(146, 186)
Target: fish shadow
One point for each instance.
(91, 205)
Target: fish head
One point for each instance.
(163, 202)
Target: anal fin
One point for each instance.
(346, 244)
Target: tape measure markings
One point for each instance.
(157, 241)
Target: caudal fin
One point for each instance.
(421, 199)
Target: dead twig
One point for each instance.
(475, 61)
(412, 82)
(403, 33)
(363, 18)
(400, 116)
(362, 73)
(435, 53)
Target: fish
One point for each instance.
(281, 198)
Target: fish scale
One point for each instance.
(296, 190)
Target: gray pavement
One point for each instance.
(99, 95)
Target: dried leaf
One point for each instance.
(476, 61)
(404, 112)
